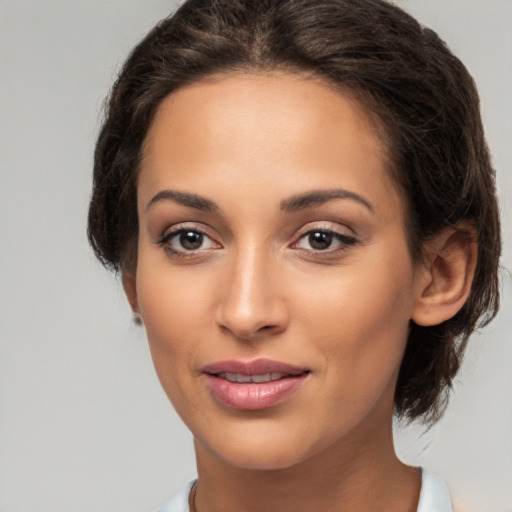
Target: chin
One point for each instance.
(262, 459)
(260, 449)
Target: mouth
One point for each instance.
(257, 379)
(253, 385)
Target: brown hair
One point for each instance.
(402, 72)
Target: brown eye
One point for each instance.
(320, 240)
(187, 241)
(191, 240)
(324, 241)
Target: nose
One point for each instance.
(252, 301)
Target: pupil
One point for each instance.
(191, 240)
(320, 240)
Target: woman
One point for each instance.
(299, 198)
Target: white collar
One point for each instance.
(434, 496)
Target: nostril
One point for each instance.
(249, 334)
(251, 319)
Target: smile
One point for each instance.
(241, 378)
(253, 385)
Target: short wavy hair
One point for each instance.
(423, 96)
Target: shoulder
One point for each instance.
(179, 503)
(434, 496)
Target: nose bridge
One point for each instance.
(251, 300)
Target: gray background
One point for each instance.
(84, 425)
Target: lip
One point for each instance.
(254, 367)
(253, 395)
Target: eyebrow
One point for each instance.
(319, 197)
(294, 203)
(185, 199)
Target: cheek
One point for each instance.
(173, 299)
(358, 319)
(175, 314)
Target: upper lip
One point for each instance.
(255, 367)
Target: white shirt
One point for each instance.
(434, 496)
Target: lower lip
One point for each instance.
(253, 396)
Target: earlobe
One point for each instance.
(130, 290)
(449, 267)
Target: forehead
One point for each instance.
(272, 129)
(272, 104)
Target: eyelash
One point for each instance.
(345, 241)
(165, 239)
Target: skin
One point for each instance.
(257, 287)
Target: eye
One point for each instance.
(187, 240)
(324, 240)
(190, 240)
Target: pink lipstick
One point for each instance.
(253, 385)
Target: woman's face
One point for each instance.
(273, 277)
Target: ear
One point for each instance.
(130, 290)
(448, 269)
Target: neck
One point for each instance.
(355, 475)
